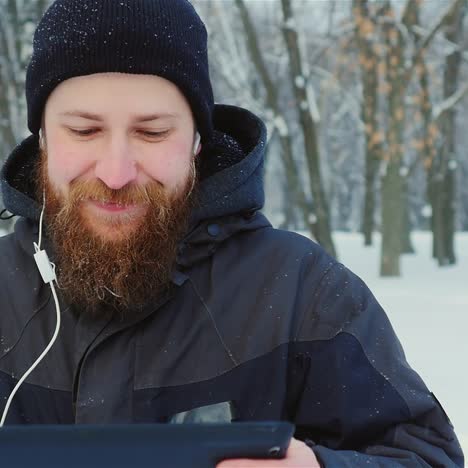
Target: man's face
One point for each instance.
(117, 168)
(124, 131)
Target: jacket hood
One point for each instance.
(230, 169)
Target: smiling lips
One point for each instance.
(111, 207)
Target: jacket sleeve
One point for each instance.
(352, 394)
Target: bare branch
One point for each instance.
(426, 40)
(446, 105)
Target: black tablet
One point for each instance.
(138, 446)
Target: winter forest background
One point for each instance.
(365, 103)
(366, 107)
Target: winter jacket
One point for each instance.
(257, 320)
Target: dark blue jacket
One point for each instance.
(257, 317)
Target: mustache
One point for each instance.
(132, 194)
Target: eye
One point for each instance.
(84, 132)
(154, 135)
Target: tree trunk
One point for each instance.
(445, 251)
(406, 242)
(322, 226)
(450, 211)
(292, 174)
(365, 32)
(410, 19)
(392, 209)
(392, 183)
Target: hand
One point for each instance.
(299, 455)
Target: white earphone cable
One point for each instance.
(47, 271)
(38, 360)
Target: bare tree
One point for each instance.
(15, 47)
(291, 170)
(368, 44)
(442, 170)
(302, 93)
(399, 71)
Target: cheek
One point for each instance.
(169, 164)
(64, 165)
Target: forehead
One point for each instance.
(112, 93)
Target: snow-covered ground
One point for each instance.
(428, 308)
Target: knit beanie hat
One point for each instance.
(152, 37)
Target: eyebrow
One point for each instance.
(136, 118)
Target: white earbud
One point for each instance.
(41, 139)
(196, 144)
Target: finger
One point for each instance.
(297, 456)
(250, 463)
(296, 446)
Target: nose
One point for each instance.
(116, 167)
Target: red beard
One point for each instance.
(119, 261)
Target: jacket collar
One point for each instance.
(204, 240)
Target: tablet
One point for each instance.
(138, 446)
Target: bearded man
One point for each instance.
(176, 294)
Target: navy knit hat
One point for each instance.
(152, 37)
